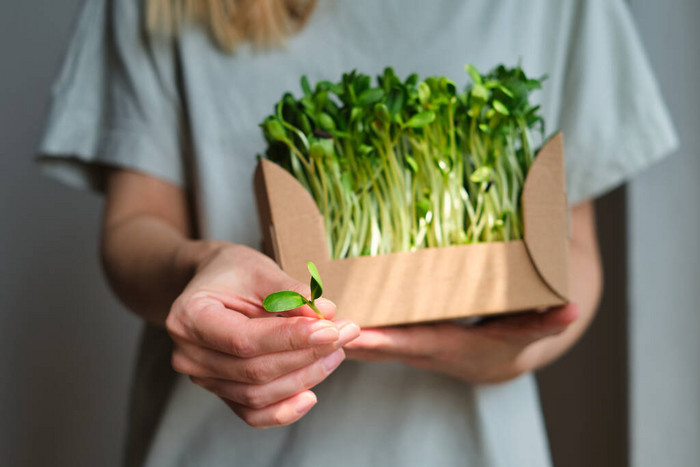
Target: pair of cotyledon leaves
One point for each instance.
(286, 300)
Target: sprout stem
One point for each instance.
(312, 305)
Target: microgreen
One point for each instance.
(408, 164)
(286, 300)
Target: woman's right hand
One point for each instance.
(262, 366)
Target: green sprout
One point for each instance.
(406, 164)
(286, 300)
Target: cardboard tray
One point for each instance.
(434, 283)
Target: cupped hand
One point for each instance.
(261, 366)
(494, 350)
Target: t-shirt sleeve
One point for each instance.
(115, 102)
(614, 119)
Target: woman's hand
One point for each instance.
(502, 348)
(495, 350)
(260, 365)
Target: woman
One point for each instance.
(166, 125)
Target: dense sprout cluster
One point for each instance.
(410, 164)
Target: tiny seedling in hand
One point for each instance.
(286, 300)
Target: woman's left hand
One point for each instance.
(495, 350)
(500, 348)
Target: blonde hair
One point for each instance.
(231, 22)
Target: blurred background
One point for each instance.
(628, 394)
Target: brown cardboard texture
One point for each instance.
(434, 283)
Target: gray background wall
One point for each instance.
(585, 394)
(664, 221)
(66, 346)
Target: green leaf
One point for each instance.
(473, 74)
(328, 147)
(275, 130)
(411, 80)
(326, 122)
(381, 112)
(480, 92)
(355, 113)
(482, 174)
(423, 208)
(448, 86)
(388, 79)
(500, 107)
(533, 84)
(412, 164)
(308, 103)
(305, 85)
(394, 101)
(500, 87)
(283, 300)
(320, 99)
(423, 92)
(365, 150)
(485, 128)
(532, 113)
(316, 284)
(362, 83)
(317, 150)
(329, 86)
(421, 119)
(370, 96)
(305, 124)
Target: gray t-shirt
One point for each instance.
(183, 111)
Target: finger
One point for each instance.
(200, 362)
(279, 414)
(415, 340)
(227, 331)
(530, 326)
(258, 396)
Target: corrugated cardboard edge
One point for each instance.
(291, 223)
(264, 211)
(545, 215)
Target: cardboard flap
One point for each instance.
(545, 215)
(297, 225)
(434, 284)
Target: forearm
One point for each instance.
(149, 262)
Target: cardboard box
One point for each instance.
(434, 283)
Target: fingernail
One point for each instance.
(323, 333)
(305, 404)
(332, 361)
(349, 332)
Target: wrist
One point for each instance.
(190, 255)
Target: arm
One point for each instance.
(146, 250)
(500, 349)
(209, 297)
